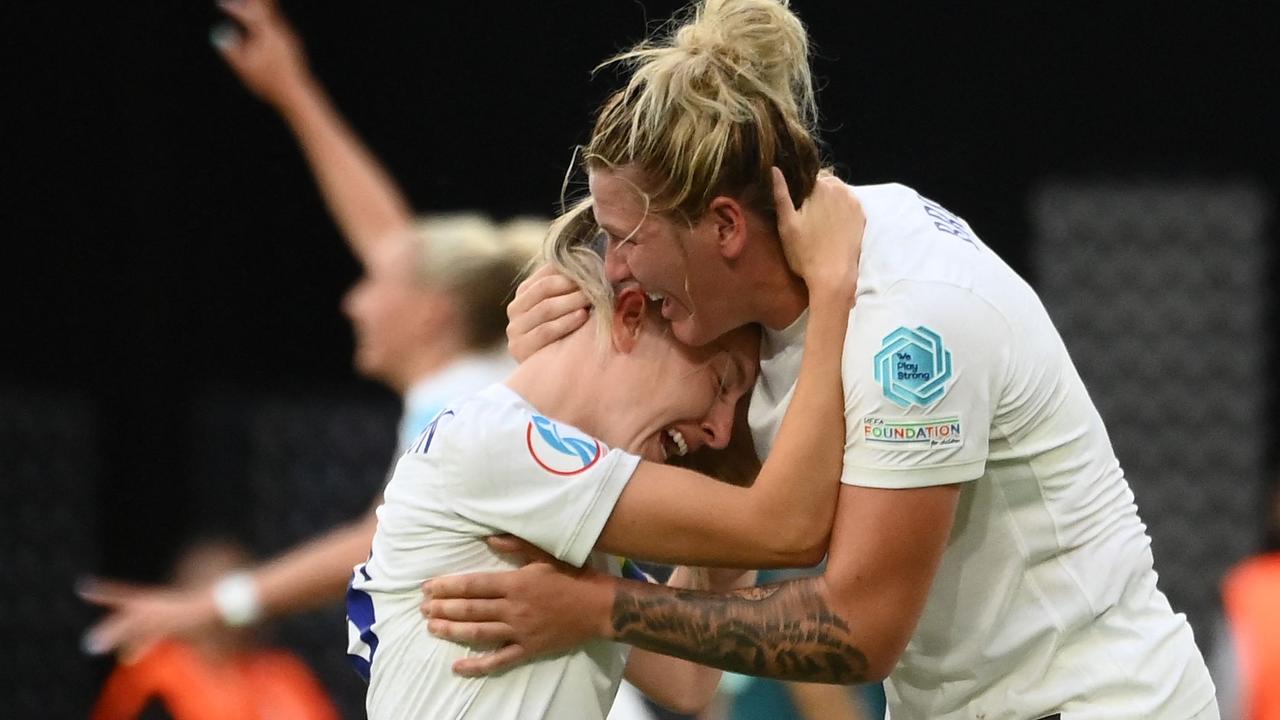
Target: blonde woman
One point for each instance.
(987, 557)
(428, 318)
(569, 451)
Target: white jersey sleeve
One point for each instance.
(923, 363)
(546, 482)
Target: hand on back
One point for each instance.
(521, 614)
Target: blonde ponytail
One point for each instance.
(712, 102)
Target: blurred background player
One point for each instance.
(213, 672)
(428, 316)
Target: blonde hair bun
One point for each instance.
(760, 43)
(718, 96)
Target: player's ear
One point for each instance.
(629, 317)
(729, 220)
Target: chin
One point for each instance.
(367, 365)
(691, 333)
(650, 453)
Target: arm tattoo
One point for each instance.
(784, 631)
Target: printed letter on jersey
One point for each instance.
(912, 367)
(560, 450)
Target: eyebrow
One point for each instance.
(739, 375)
(732, 370)
(613, 233)
(741, 370)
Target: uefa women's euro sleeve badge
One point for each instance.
(561, 450)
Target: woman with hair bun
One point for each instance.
(986, 558)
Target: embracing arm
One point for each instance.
(783, 519)
(849, 625)
(268, 57)
(677, 684)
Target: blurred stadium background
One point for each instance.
(175, 362)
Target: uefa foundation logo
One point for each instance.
(559, 452)
(913, 367)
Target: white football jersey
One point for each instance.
(1046, 598)
(489, 464)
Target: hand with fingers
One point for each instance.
(139, 616)
(547, 307)
(543, 608)
(822, 239)
(264, 52)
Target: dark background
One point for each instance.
(164, 241)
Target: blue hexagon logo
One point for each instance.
(913, 367)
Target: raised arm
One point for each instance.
(784, 518)
(268, 57)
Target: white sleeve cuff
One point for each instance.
(902, 478)
(615, 478)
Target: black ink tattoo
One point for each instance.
(784, 631)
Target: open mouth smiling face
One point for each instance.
(701, 387)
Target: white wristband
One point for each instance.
(236, 598)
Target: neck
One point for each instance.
(552, 379)
(776, 296)
(781, 300)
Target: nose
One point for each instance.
(615, 264)
(717, 427)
